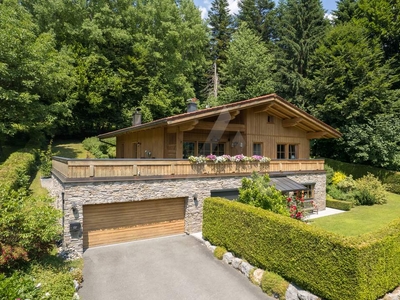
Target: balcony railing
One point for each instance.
(115, 168)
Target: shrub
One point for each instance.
(16, 171)
(18, 286)
(342, 205)
(348, 184)
(295, 205)
(274, 285)
(331, 266)
(338, 177)
(46, 160)
(219, 252)
(329, 174)
(257, 192)
(100, 149)
(370, 190)
(334, 192)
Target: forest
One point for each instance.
(77, 68)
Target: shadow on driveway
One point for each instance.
(177, 267)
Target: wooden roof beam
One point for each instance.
(316, 135)
(220, 126)
(264, 108)
(291, 122)
(188, 126)
(234, 113)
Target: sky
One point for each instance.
(204, 6)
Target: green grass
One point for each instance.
(6, 151)
(362, 219)
(70, 149)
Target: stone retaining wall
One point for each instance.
(194, 190)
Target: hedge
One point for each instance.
(16, 171)
(390, 178)
(338, 204)
(327, 264)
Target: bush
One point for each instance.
(329, 174)
(391, 178)
(342, 205)
(257, 192)
(336, 193)
(219, 252)
(338, 177)
(274, 285)
(328, 265)
(18, 286)
(46, 160)
(16, 171)
(370, 190)
(100, 149)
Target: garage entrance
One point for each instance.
(106, 224)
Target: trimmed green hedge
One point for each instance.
(329, 265)
(16, 171)
(390, 178)
(338, 204)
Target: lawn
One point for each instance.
(362, 219)
(70, 149)
(64, 148)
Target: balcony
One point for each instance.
(117, 169)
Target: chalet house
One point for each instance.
(152, 189)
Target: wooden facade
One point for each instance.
(267, 126)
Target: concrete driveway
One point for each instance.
(177, 267)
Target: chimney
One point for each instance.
(192, 105)
(137, 117)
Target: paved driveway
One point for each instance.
(178, 267)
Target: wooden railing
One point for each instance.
(112, 168)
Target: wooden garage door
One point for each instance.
(106, 224)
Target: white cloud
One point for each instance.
(204, 12)
(329, 16)
(233, 6)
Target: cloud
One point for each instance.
(329, 16)
(233, 6)
(204, 12)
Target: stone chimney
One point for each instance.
(137, 117)
(192, 105)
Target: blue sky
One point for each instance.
(204, 5)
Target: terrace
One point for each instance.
(116, 169)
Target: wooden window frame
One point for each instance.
(279, 152)
(261, 148)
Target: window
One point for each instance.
(280, 151)
(309, 192)
(270, 119)
(292, 151)
(188, 149)
(211, 148)
(257, 149)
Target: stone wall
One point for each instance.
(319, 189)
(194, 190)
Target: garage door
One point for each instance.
(106, 224)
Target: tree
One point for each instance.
(257, 191)
(221, 30)
(258, 16)
(300, 27)
(246, 74)
(382, 19)
(345, 11)
(35, 78)
(352, 85)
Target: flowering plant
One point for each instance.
(227, 158)
(295, 204)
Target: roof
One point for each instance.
(285, 184)
(272, 103)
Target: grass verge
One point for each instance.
(362, 219)
(70, 149)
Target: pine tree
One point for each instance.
(246, 74)
(258, 16)
(300, 27)
(346, 10)
(221, 29)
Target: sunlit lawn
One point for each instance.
(63, 148)
(70, 149)
(362, 219)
